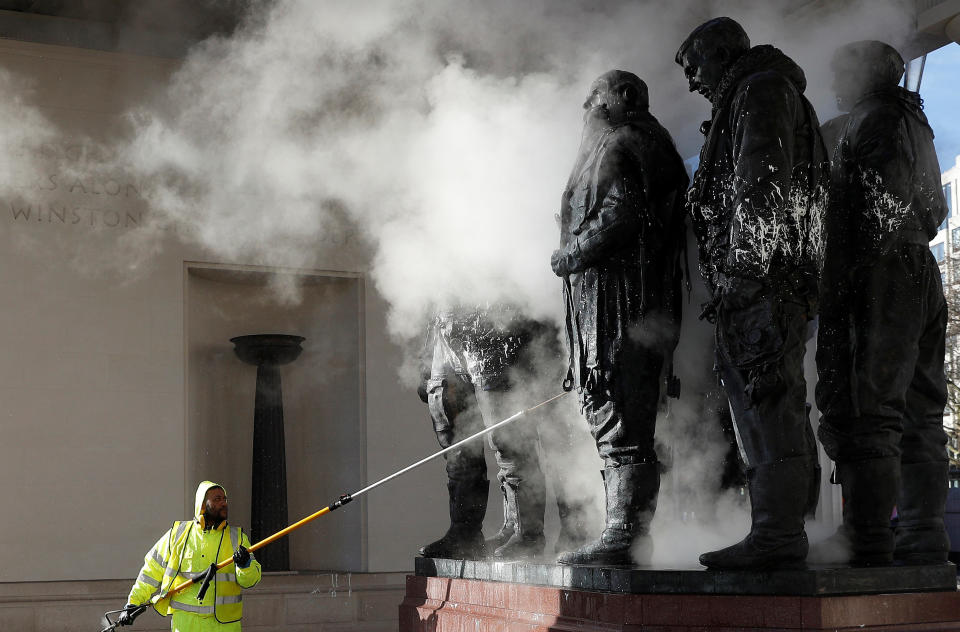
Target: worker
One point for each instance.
(187, 552)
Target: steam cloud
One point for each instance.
(442, 133)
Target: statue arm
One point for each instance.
(425, 359)
(615, 222)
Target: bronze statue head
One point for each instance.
(860, 68)
(709, 51)
(617, 95)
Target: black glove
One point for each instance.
(241, 557)
(125, 617)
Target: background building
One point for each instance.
(120, 391)
(946, 248)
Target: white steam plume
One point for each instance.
(443, 131)
(449, 148)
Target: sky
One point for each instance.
(941, 100)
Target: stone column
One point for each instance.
(269, 498)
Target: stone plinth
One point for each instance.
(558, 598)
(628, 579)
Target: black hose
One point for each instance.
(211, 572)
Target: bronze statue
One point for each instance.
(882, 388)
(621, 235)
(473, 360)
(755, 205)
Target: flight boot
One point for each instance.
(920, 536)
(779, 498)
(524, 503)
(631, 497)
(464, 539)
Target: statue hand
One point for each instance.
(558, 262)
(565, 262)
(422, 391)
(708, 310)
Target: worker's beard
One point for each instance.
(214, 518)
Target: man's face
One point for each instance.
(597, 96)
(703, 71)
(850, 81)
(215, 505)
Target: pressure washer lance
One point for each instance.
(207, 577)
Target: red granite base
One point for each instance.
(438, 604)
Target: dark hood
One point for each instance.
(911, 102)
(763, 58)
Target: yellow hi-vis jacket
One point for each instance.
(185, 552)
